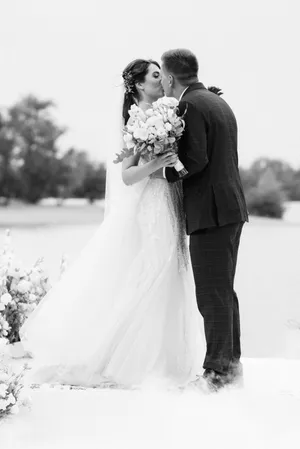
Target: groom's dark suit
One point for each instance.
(215, 210)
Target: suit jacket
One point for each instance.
(212, 189)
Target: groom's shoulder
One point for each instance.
(196, 99)
(198, 96)
(203, 99)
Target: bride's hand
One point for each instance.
(166, 160)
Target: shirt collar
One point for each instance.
(180, 98)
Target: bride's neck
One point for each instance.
(145, 104)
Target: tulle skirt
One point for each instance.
(125, 312)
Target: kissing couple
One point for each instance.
(151, 296)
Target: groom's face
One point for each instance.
(166, 81)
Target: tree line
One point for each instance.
(32, 165)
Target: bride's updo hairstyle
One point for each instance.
(134, 73)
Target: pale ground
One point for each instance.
(265, 414)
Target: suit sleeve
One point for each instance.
(192, 146)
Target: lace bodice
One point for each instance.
(161, 197)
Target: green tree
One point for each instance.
(94, 183)
(9, 179)
(267, 198)
(35, 135)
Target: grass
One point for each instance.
(24, 216)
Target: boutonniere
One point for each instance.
(215, 90)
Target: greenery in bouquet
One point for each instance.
(153, 131)
(20, 291)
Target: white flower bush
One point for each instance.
(20, 291)
(10, 388)
(12, 392)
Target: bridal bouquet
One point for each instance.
(153, 132)
(20, 292)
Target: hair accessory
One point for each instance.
(128, 82)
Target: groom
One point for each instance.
(215, 210)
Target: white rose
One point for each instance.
(29, 308)
(149, 112)
(2, 307)
(168, 126)
(170, 102)
(32, 297)
(157, 103)
(134, 110)
(39, 291)
(141, 133)
(171, 140)
(24, 286)
(128, 141)
(161, 132)
(5, 299)
(127, 137)
(155, 121)
(142, 116)
(171, 116)
(151, 121)
(3, 404)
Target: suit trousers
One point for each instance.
(214, 254)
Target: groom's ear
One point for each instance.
(171, 80)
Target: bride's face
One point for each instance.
(151, 87)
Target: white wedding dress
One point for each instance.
(125, 312)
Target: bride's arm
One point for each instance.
(132, 172)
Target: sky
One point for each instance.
(73, 52)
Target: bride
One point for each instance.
(125, 312)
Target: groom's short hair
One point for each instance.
(182, 64)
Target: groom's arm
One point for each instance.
(194, 147)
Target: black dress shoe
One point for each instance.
(215, 381)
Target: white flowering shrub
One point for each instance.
(11, 386)
(10, 389)
(20, 291)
